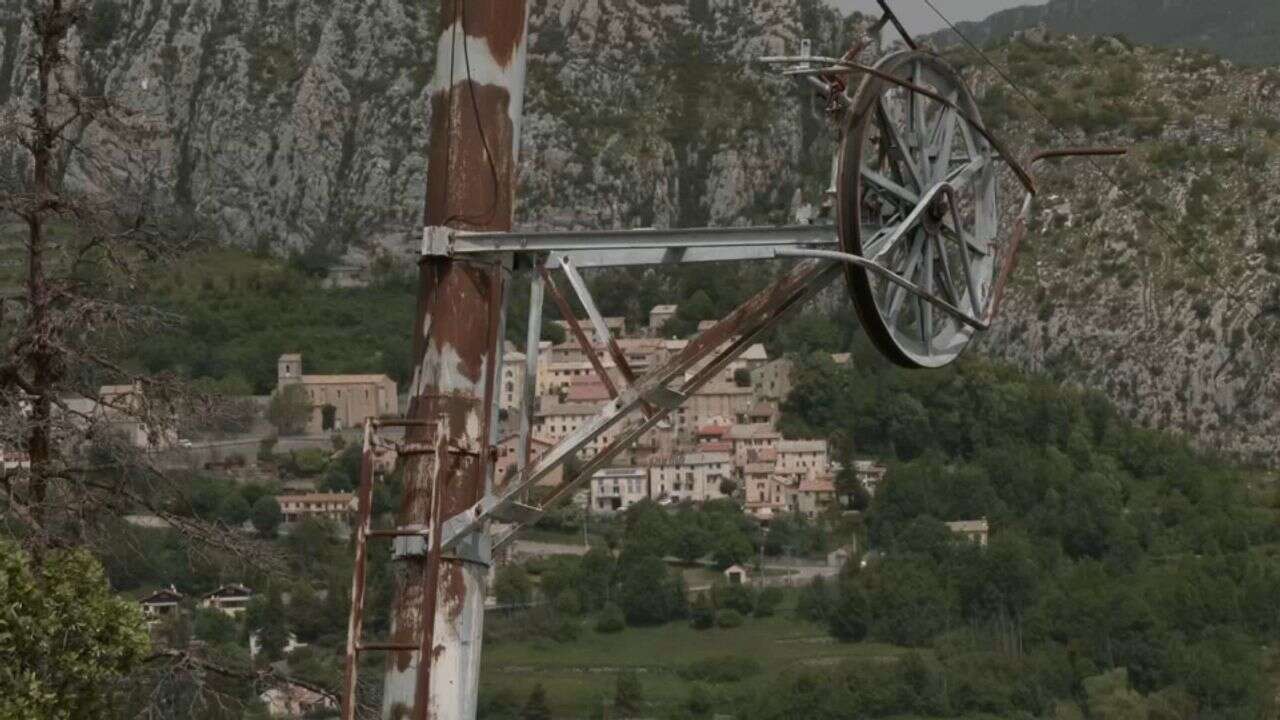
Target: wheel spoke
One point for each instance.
(925, 307)
(895, 293)
(892, 187)
(948, 281)
(961, 177)
(890, 128)
(942, 166)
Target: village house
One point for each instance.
(764, 491)
(555, 420)
(232, 599)
(161, 604)
(660, 315)
(813, 496)
(11, 461)
(337, 507)
(290, 700)
(617, 327)
(716, 399)
(616, 489)
(693, 476)
(339, 401)
(660, 440)
(975, 531)
(508, 458)
(761, 413)
(772, 380)
(511, 385)
(752, 442)
(869, 473)
(802, 458)
(121, 408)
(736, 575)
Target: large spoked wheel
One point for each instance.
(898, 146)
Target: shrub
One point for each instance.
(767, 601)
(703, 614)
(729, 619)
(733, 597)
(610, 620)
(567, 630)
(309, 462)
(724, 669)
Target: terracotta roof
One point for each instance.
(514, 438)
(802, 446)
(713, 430)
(343, 379)
(690, 458)
(587, 391)
(716, 446)
(567, 408)
(722, 388)
(757, 430)
(759, 467)
(316, 497)
(816, 486)
(163, 595)
(230, 589)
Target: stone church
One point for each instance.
(339, 401)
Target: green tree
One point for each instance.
(702, 614)
(289, 410)
(732, 548)
(815, 601)
(234, 510)
(267, 516)
(648, 595)
(512, 586)
(611, 619)
(692, 541)
(213, 626)
(849, 618)
(536, 707)
(628, 695)
(65, 639)
(271, 626)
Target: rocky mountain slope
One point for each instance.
(302, 125)
(1246, 31)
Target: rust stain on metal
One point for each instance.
(463, 189)
(499, 22)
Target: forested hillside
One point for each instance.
(1127, 576)
(1246, 31)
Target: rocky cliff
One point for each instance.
(299, 125)
(1246, 31)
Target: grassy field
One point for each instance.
(579, 676)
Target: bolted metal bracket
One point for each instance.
(410, 541)
(475, 547)
(437, 241)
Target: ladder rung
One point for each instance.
(416, 532)
(385, 646)
(405, 422)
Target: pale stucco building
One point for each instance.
(339, 401)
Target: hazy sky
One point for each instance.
(918, 18)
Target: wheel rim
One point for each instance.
(898, 145)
